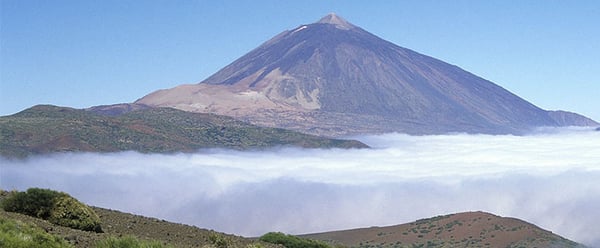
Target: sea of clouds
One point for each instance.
(550, 178)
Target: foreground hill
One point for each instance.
(46, 129)
(471, 229)
(474, 229)
(332, 77)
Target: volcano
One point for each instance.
(334, 78)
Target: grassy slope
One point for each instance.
(471, 229)
(46, 129)
(117, 224)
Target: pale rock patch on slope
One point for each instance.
(275, 93)
(286, 89)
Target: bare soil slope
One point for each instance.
(118, 224)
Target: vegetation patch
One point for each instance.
(17, 234)
(291, 241)
(219, 240)
(57, 207)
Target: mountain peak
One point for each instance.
(336, 20)
(335, 78)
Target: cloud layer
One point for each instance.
(549, 179)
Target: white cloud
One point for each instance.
(549, 179)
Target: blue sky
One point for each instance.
(86, 53)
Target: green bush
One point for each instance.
(16, 234)
(128, 242)
(34, 202)
(219, 240)
(69, 212)
(57, 207)
(290, 241)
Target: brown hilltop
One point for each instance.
(332, 77)
(470, 229)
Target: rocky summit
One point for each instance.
(334, 78)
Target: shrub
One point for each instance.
(290, 241)
(254, 245)
(57, 207)
(128, 242)
(34, 202)
(69, 212)
(219, 240)
(16, 234)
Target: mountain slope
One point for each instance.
(45, 129)
(471, 229)
(334, 78)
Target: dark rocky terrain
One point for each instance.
(46, 129)
(334, 78)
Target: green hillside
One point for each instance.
(47, 129)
